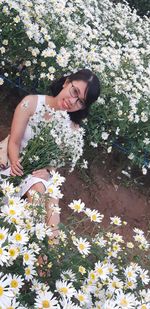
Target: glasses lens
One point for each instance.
(74, 92)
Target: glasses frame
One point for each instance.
(80, 101)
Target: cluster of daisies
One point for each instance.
(94, 269)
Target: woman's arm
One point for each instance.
(23, 112)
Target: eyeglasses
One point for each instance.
(74, 93)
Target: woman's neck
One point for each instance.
(51, 102)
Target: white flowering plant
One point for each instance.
(55, 143)
(41, 40)
(94, 268)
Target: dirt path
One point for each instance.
(99, 191)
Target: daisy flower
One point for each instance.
(29, 273)
(68, 275)
(3, 234)
(65, 289)
(28, 257)
(15, 282)
(46, 300)
(101, 270)
(19, 237)
(115, 220)
(125, 300)
(77, 206)
(13, 252)
(7, 188)
(3, 256)
(5, 293)
(94, 215)
(83, 245)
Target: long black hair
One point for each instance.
(92, 91)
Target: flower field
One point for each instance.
(40, 40)
(100, 270)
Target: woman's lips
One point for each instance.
(65, 104)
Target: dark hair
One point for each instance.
(92, 91)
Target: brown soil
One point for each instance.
(99, 187)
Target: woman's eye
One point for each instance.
(75, 92)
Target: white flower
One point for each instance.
(3, 256)
(65, 289)
(105, 135)
(46, 300)
(29, 273)
(144, 276)
(131, 156)
(95, 145)
(77, 206)
(28, 257)
(1, 81)
(3, 234)
(68, 275)
(40, 231)
(19, 237)
(15, 282)
(101, 270)
(7, 189)
(94, 215)
(125, 300)
(83, 245)
(5, 293)
(115, 220)
(109, 149)
(144, 170)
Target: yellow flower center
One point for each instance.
(114, 284)
(26, 256)
(50, 190)
(12, 212)
(129, 274)
(18, 237)
(93, 217)
(110, 269)
(12, 252)
(1, 290)
(10, 307)
(144, 307)
(77, 206)
(81, 297)
(124, 302)
(1, 251)
(92, 276)
(130, 283)
(1, 236)
(14, 283)
(81, 246)
(100, 271)
(63, 290)
(45, 304)
(27, 271)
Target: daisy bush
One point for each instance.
(41, 40)
(81, 268)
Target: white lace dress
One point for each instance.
(37, 117)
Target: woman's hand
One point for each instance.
(16, 168)
(42, 173)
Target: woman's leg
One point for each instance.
(52, 219)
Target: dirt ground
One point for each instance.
(99, 188)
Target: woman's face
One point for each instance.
(72, 96)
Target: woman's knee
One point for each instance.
(38, 187)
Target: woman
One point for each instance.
(74, 94)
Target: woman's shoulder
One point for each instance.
(29, 103)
